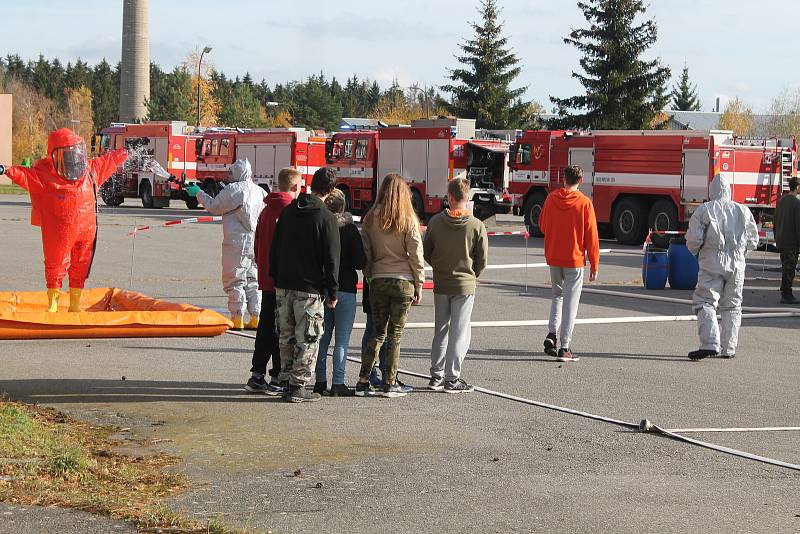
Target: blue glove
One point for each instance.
(192, 190)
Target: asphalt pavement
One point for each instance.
(430, 461)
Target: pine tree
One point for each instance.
(105, 95)
(313, 105)
(684, 95)
(623, 91)
(176, 101)
(481, 88)
(242, 108)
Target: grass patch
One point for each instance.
(11, 189)
(49, 459)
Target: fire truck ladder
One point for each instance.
(787, 169)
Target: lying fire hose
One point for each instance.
(645, 426)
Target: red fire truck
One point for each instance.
(641, 180)
(169, 144)
(428, 154)
(267, 150)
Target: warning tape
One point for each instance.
(177, 222)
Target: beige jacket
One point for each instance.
(393, 255)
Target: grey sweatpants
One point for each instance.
(452, 334)
(567, 286)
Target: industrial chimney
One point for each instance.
(135, 73)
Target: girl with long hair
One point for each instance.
(395, 270)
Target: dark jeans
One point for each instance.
(390, 300)
(788, 268)
(267, 345)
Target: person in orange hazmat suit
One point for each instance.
(63, 189)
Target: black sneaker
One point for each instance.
(274, 388)
(436, 384)
(702, 353)
(300, 394)
(287, 391)
(550, 343)
(789, 299)
(364, 390)
(256, 385)
(405, 388)
(340, 390)
(391, 391)
(458, 386)
(566, 355)
(320, 387)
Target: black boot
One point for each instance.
(320, 387)
(702, 353)
(788, 298)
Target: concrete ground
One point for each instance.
(429, 461)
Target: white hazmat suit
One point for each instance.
(240, 203)
(720, 233)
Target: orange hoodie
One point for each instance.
(570, 230)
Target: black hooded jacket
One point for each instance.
(305, 249)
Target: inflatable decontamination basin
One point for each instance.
(107, 313)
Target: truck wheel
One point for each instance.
(532, 210)
(419, 206)
(146, 194)
(192, 203)
(109, 192)
(630, 221)
(663, 216)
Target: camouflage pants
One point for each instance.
(390, 300)
(788, 269)
(299, 323)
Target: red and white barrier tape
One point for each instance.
(190, 220)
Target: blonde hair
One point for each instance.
(335, 201)
(393, 209)
(286, 177)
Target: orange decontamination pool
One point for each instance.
(108, 313)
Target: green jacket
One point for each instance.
(457, 248)
(787, 222)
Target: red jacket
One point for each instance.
(569, 226)
(275, 204)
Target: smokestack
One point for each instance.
(717, 110)
(135, 73)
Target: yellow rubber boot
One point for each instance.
(75, 299)
(238, 322)
(52, 300)
(252, 324)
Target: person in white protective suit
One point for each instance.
(240, 203)
(720, 234)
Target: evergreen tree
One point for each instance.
(623, 91)
(313, 106)
(684, 95)
(242, 108)
(373, 96)
(481, 89)
(105, 95)
(175, 101)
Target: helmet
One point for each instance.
(67, 154)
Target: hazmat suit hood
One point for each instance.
(241, 171)
(66, 153)
(720, 188)
(721, 231)
(565, 199)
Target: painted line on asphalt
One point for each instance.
(644, 426)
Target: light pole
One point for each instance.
(205, 51)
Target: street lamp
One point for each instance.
(205, 51)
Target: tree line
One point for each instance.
(621, 88)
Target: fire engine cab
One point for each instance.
(648, 180)
(163, 156)
(428, 154)
(268, 151)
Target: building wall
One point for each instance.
(5, 133)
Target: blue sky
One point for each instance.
(732, 47)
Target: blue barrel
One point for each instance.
(655, 268)
(683, 267)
